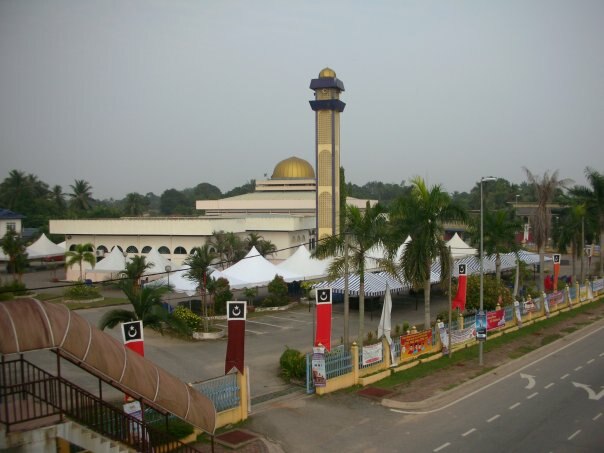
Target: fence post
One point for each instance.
(386, 351)
(354, 350)
(242, 383)
(459, 322)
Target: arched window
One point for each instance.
(120, 249)
(72, 247)
(164, 250)
(146, 249)
(102, 248)
(131, 249)
(180, 251)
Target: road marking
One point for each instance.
(597, 416)
(591, 361)
(247, 330)
(590, 392)
(601, 354)
(565, 376)
(493, 418)
(578, 368)
(531, 380)
(467, 433)
(398, 411)
(532, 395)
(503, 378)
(287, 319)
(549, 385)
(514, 406)
(442, 446)
(573, 435)
(266, 324)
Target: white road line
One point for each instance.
(398, 411)
(442, 446)
(597, 416)
(514, 406)
(565, 376)
(467, 433)
(493, 418)
(549, 385)
(532, 395)
(573, 435)
(266, 324)
(247, 330)
(287, 319)
(601, 354)
(591, 361)
(578, 368)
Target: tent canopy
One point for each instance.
(158, 262)
(301, 263)
(459, 248)
(44, 248)
(113, 262)
(375, 284)
(256, 270)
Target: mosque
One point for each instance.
(282, 209)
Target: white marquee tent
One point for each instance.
(44, 248)
(301, 263)
(256, 270)
(459, 249)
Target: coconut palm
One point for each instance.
(571, 227)
(365, 229)
(199, 262)
(135, 268)
(13, 246)
(545, 189)
(82, 253)
(146, 307)
(13, 188)
(135, 204)
(594, 202)
(421, 216)
(81, 195)
(56, 196)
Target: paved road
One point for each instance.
(551, 411)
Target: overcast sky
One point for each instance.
(144, 96)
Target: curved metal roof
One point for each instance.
(29, 325)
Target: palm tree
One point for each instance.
(594, 202)
(199, 262)
(135, 204)
(365, 229)
(572, 223)
(500, 228)
(57, 198)
(146, 307)
(545, 189)
(253, 240)
(12, 188)
(421, 216)
(82, 253)
(135, 268)
(13, 246)
(81, 196)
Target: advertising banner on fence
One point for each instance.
(517, 312)
(463, 335)
(323, 333)
(444, 337)
(598, 285)
(416, 343)
(372, 354)
(555, 298)
(481, 326)
(583, 293)
(319, 375)
(529, 306)
(495, 319)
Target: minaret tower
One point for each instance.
(327, 107)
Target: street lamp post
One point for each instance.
(168, 269)
(483, 179)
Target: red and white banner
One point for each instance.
(323, 332)
(372, 354)
(236, 314)
(495, 319)
(132, 332)
(555, 298)
(460, 297)
(556, 270)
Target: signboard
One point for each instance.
(481, 326)
(372, 354)
(444, 337)
(235, 355)
(133, 409)
(495, 319)
(323, 313)
(132, 333)
(319, 376)
(555, 298)
(529, 306)
(416, 343)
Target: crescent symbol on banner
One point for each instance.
(132, 331)
(236, 310)
(323, 295)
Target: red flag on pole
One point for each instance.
(236, 313)
(556, 270)
(132, 333)
(460, 297)
(323, 333)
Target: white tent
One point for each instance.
(459, 249)
(257, 270)
(113, 262)
(158, 262)
(44, 248)
(180, 283)
(375, 284)
(301, 263)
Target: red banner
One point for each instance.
(323, 332)
(556, 270)
(416, 343)
(235, 355)
(460, 297)
(132, 332)
(495, 319)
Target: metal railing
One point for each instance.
(223, 391)
(28, 393)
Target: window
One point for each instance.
(11, 226)
(164, 250)
(131, 249)
(180, 251)
(146, 249)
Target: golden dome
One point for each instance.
(293, 167)
(327, 73)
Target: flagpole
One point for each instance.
(450, 307)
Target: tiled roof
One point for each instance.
(7, 214)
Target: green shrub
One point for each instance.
(80, 291)
(14, 288)
(292, 364)
(491, 293)
(222, 295)
(191, 320)
(277, 293)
